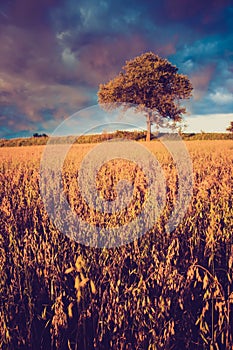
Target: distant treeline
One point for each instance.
(42, 139)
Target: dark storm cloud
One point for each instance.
(54, 53)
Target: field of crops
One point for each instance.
(164, 290)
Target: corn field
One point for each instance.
(161, 291)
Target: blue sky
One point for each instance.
(55, 53)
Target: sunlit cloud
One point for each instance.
(208, 123)
(222, 96)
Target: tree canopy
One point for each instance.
(151, 83)
(230, 127)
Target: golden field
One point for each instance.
(161, 291)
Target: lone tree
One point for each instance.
(153, 85)
(230, 128)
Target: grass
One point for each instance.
(133, 135)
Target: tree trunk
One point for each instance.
(148, 123)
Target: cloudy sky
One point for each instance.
(55, 53)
